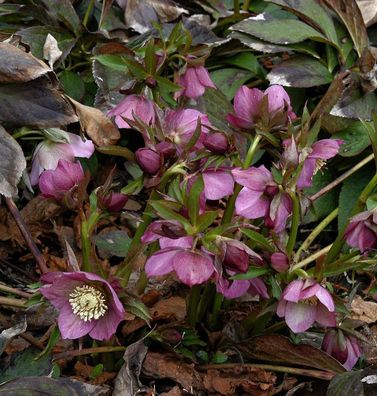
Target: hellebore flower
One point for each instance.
(248, 107)
(343, 347)
(149, 160)
(279, 262)
(320, 152)
(192, 267)
(194, 82)
(142, 107)
(48, 153)
(87, 304)
(361, 232)
(180, 125)
(218, 183)
(114, 201)
(216, 143)
(260, 197)
(304, 302)
(58, 182)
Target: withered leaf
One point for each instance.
(18, 66)
(35, 103)
(51, 51)
(368, 10)
(96, 125)
(12, 164)
(7, 335)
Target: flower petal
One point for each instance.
(217, 184)
(299, 316)
(161, 263)
(251, 204)
(70, 325)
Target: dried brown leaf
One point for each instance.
(18, 66)
(366, 311)
(51, 51)
(170, 308)
(368, 10)
(96, 125)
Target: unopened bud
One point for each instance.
(148, 160)
(217, 143)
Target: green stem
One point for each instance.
(236, 7)
(193, 302)
(205, 300)
(214, 317)
(85, 246)
(339, 241)
(311, 258)
(295, 224)
(88, 12)
(229, 210)
(317, 230)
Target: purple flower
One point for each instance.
(216, 142)
(342, 347)
(194, 82)
(149, 160)
(132, 105)
(279, 262)
(260, 197)
(58, 182)
(304, 302)
(114, 202)
(87, 304)
(361, 232)
(218, 183)
(180, 125)
(48, 153)
(320, 152)
(248, 107)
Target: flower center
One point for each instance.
(88, 303)
(320, 163)
(310, 301)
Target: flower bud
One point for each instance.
(167, 149)
(279, 262)
(217, 143)
(148, 160)
(114, 202)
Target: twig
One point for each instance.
(8, 289)
(12, 302)
(88, 351)
(26, 234)
(32, 340)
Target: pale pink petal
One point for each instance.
(253, 178)
(247, 103)
(70, 325)
(106, 326)
(354, 353)
(278, 98)
(293, 291)
(299, 316)
(281, 307)
(307, 172)
(79, 147)
(217, 184)
(161, 263)
(326, 148)
(251, 204)
(232, 289)
(326, 298)
(324, 316)
(258, 288)
(184, 242)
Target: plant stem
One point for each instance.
(12, 302)
(193, 302)
(88, 12)
(236, 7)
(295, 224)
(85, 246)
(7, 289)
(214, 317)
(229, 210)
(311, 258)
(317, 230)
(325, 375)
(89, 351)
(26, 234)
(339, 241)
(345, 175)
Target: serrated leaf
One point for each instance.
(300, 72)
(279, 28)
(356, 139)
(12, 164)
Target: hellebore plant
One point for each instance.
(87, 304)
(361, 233)
(343, 347)
(194, 82)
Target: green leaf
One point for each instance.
(252, 272)
(116, 243)
(355, 138)
(350, 384)
(230, 80)
(247, 61)
(355, 104)
(24, 365)
(150, 59)
(258, 239)
(164, 209)
(300, 72)
(219, 358)
(278, 28)
(54, 338)
(115, 62)
(138, 308)
(97, 370)
(315, 14)
(327, 203)
(349, 194)
(73, 85)
(135, 67)
(193, 202)
(133, 187)
(205, 220)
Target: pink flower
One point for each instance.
(142, 107)
(192, 267)
(180, 125)
(249, 110)
(48, 153)
(87, 304)
(114, 202)
(344, 348)
(320, 152)
(260, 197)
(304, 302)
(194, 82)
(279, 262)
(218, 183)
(58, 182)
(216, 142)
(361, 232)
(150, 161)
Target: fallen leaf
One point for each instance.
(368, 10)
(51, 51)
(96, 125)
(366, 311)
(127, 381)
(173, 308)
(17, 66)
(12, 164)
(8, 334)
